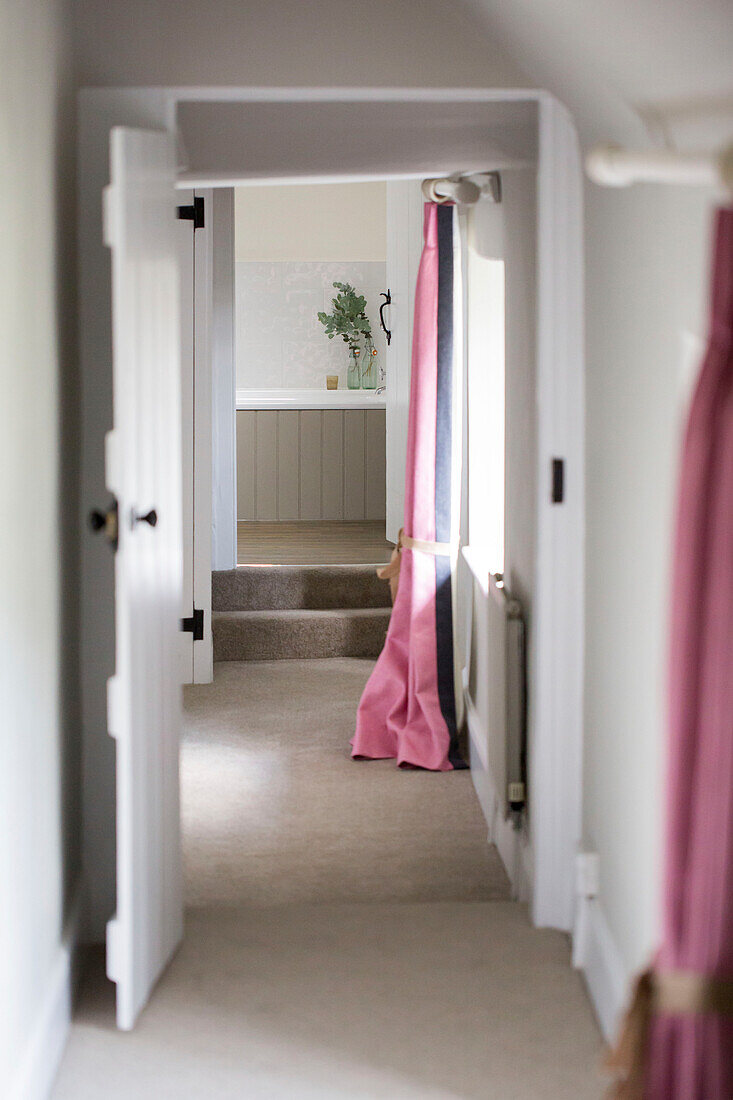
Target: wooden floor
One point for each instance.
(312, 544)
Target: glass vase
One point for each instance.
(353, 373)
(369, 369)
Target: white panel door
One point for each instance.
(144, 473)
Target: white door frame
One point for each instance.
(195, 259)
(223, 382)
(404, 247)
(203, 290)
(557, 672)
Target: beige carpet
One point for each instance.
(354, 1002)
(340, 944)
(275, 810)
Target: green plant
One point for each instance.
(347, 318)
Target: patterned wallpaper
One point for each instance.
(280, 341)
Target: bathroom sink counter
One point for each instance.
(310, 399)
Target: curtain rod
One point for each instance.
(464, 190)
(615, 166)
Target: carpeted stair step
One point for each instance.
(284, 587)
(299, 633)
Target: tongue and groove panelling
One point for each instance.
(312, 464)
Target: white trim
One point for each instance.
(596, 954)
(185, 241)
(223, 386)
(187, 180)
(511, 843)
(309, 399)
(203, 291)
(40, 1060)
(404, 248)
(259, 94)
(557, 653)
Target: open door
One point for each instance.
(143, 469)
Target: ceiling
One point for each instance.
(627, 69)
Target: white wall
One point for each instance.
(311, 223)
(280, 341)
(287, 43)
(39, 746)
(646, 276)
(291, 245)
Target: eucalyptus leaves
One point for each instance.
(348, 318)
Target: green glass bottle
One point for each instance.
(370, 369)
(353, 373)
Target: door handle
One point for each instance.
(106, 522)
(387, 302)
(150, 517)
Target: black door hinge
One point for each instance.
(193, 213)
(558, 480)
(194, 625)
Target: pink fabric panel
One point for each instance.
(399, 715)
(691, 1058)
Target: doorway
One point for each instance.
(311, 439)
(556, 668)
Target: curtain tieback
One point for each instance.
(685, 992)
(425, 546)
(673, 992)
(391, 572)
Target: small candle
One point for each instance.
(332, 381)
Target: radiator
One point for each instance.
(506, 696)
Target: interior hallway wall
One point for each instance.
(40, 741)
(280, 343)
(292, 243)
(311, 223)
(646, 254)
(324, 43)
(287, 43)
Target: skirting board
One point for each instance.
(512, 845)
(39, 1061)
(595, 954)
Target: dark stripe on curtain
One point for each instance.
(443, 478)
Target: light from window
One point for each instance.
(486, 411)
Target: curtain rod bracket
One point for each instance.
(464, 190)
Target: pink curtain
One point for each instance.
(690, 1054)
(407, 711)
